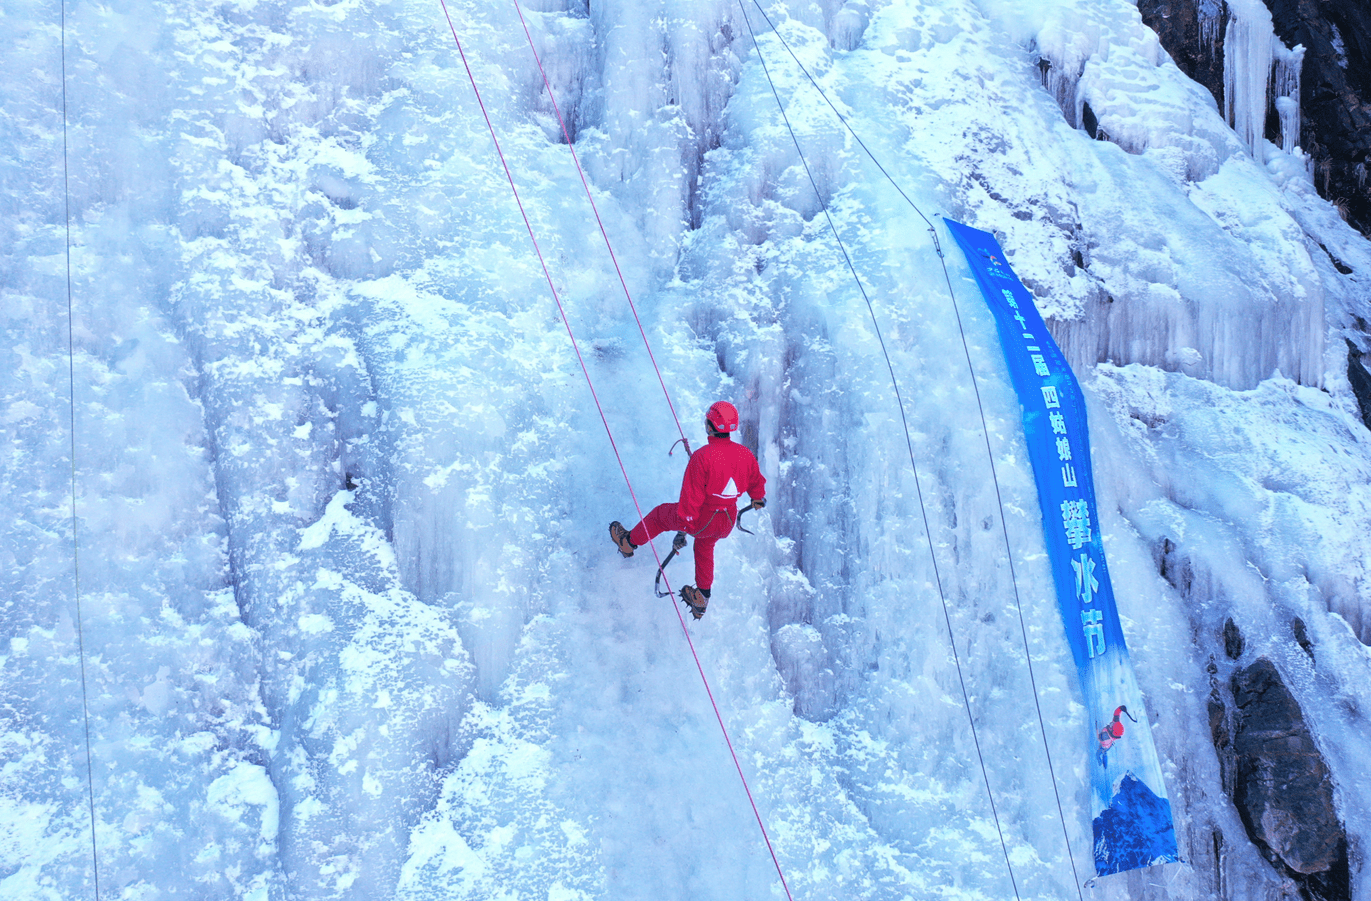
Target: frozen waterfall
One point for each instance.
(349, 624)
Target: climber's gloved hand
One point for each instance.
(758, 503)
(679, 541)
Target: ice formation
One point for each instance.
(1260, 72)
(351, 625)
(1289, 63)
(1247, 60)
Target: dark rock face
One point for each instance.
(1335, 96)
(1177, 23)
(1220, 728)
(1176, 570)
(1282, 788)
(1301, 633)
(1360, 377)
(1232, 639)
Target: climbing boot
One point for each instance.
(695, 599)
(619, 535)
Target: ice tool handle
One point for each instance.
(739, 520)
(676, 544)
(680, 541)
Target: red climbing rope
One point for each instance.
(609, 432)
(541, 261)
(585, 184)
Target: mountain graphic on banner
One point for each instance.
(1136, 824)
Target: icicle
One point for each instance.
(1247, 58)
(1259, 71)
(1339, 46)
(1211, 18)
(1286, 86)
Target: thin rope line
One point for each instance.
(581, 172)
(732, 753)
(836, 112)
(909, 444)
(985, 429)
(541, 261)
(75, 541)
(591, 385)
(1014, 581)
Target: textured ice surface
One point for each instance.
(351, 627)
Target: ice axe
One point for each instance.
(755, 505)
(676, 544)
(680, 541)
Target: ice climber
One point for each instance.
(1112, 732)
(717, 475)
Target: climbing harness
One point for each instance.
(75, 542)
(590, 383)
(909, 442)
(1107, 733)
(679, 542)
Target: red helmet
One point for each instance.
(723, 416)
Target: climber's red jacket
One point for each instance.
(716, 476)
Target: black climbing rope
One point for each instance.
(984, 429)
(909, 444)
(75, 542)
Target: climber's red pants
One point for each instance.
(664, 518)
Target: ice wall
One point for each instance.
(1213, 300)
(1260, 73)
(353, 630)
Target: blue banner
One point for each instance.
(1131, 813)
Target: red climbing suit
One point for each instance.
(1112, 732)
(717, 475)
